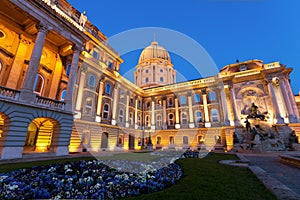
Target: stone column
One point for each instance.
(191, 113)
(206, 113)
(127, 111)
(99, 104)
(224, 107)
(292, 99)
(34, 64)
(177, 124)
(79, 96)
(290, 112)
(115, 105)
(153, 114)
(164, 113)
(72, 79)
(235, 113)
(275, 105)
(18, 62)
(136, 114)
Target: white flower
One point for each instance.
(2, 178)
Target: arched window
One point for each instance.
(197, 98)
(147, 121)
(171, 119)
(136, 80)
(105, 111)
(131, 118)
(63, 95)
(212, 96)
(170, 101)
(107, 88)
(147, 80)
(158, 120)
(185, 140)
(88, 106)
(198, 116)
(158, 140)
(214, 115)
(148, 105)
(139, 120)
(122, 96)
(171, 140)
(139, 104)
(121, 139)
(38, 84)
(68, 69)
(92, 81)
(121, 115)
(184, 119)
(85, 137)
(200, 139)
(161, 79)
(183, 100)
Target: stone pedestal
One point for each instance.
(11, 153)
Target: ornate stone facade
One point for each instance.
(57, 96)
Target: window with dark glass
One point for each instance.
(92, 81)
(197, 98)
(107, 88)
(38, 84)
(105, 111)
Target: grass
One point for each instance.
(207, 179)
(203, 179)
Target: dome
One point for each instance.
(154, 51)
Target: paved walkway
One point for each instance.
(286, 174)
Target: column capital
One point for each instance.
(42, 27)
(204, 91)
(77, 47)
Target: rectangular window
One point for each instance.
(96, 54)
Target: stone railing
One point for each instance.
(8, 93)
(50, 103)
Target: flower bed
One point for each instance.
(84, 180)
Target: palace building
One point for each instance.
(61, 91)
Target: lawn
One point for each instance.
(207, 179)
(202, 179)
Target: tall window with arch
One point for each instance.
(158, 120)
(38, 84)
(105, 114)
(185, 140)
(171, 119)
(92, 81)
(212, 96)
(88, 106)
(214, 115)
(146, 80)
(184, 119)
(131, 118)
(147, 121)
(171, 140)
(158, 140)
(199, 117)
(121, 116)
(139, 120)
(63, 95)
(122, 96)
(183, 100)
(170, 101)
(197, 98)
(107, 88)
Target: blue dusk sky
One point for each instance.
(227, 30)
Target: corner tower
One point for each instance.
(154, 68)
